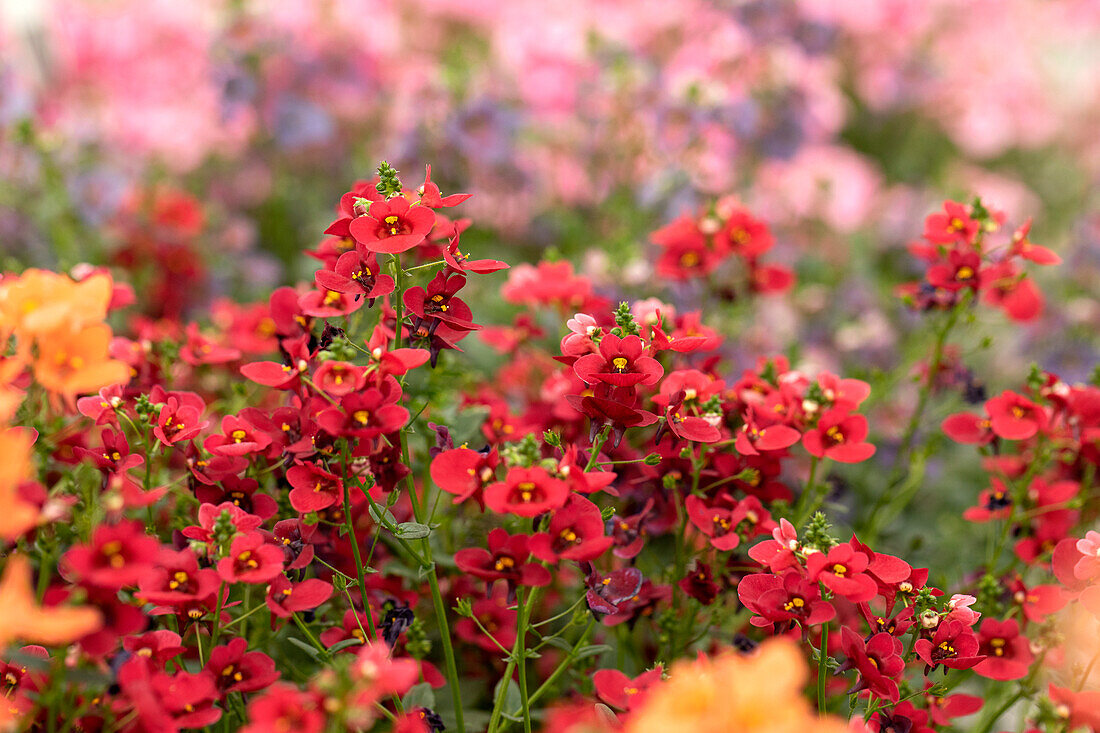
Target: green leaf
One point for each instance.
(307, 648)
(591, 650)
(412, 530)
(419, 696)
(559, 643)
(386, 518)
(512, 700)
(342, 645)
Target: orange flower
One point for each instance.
(758, 693)
(39, 301)
(73, 362)
(16, 515)
(25, 620)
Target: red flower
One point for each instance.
(842, 572)
(180, 418)
(458, 261)
(954, 225)
(685, 426)
(953, 645)
(465, 473)
(314, 488)
(1023, 247)
(1014, 417)
(715, 521)
(744, 235)
(878, 661)
(575, 532)
(251, 560)
(506, 559)
(430, 194)
(357, 273)
(438, 303)
(208, 515)
(1013, 292)
(752, 438)
(284, 707)
(392, 225)
(1008, 655)
(115, 457)
(366, 414)
(783, 598)
(117, 556)
(284, 598)
(339, 378)
(839, 435)
(238, 438)
(177, 579)
(967, 428)
(620, 691)
(235, 669)
(622, 362)
(527, 492)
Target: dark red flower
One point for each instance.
(953, 645)
(1007, 653)
(235, 669)
(605, 593)
(878, 661)
(506, 559)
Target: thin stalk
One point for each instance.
(822, 668)
(349, 523)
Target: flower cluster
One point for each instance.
(320, 512)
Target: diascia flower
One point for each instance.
(392, 226)
(756, 693)
(621, 362)
(840, 436)
(527, 492)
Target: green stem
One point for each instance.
(822, 668)
(808, 502)
(433, 583)
(521, 644)
(904, 458)
(562, 666)
(217, 616)
(593, 459)
(398, 299)
(523, 616)
(309, 635)
(349, 523)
